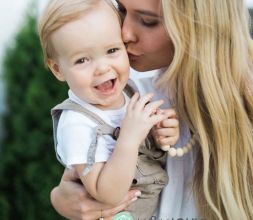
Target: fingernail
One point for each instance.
(158, 111)
(134, 199)
(138, 193)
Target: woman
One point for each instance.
(208, 51)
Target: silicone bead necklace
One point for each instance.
(180, 151)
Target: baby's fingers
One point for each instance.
(133, 101)
(156, 118)
(139, 106)
(152, 107)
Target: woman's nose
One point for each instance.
(128, 33)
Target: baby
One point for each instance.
(100, 130)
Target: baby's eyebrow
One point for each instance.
(116, 44)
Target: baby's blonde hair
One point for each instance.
(211, 81)
(58, 13)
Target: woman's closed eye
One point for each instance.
(149, 22)
(82, 60)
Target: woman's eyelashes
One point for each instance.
(149, 23)
(145, 22)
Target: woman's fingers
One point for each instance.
(169, 123)
(70, 175)
(166, 135)
(94, 210)
(171, 113)
(109, 213)
(167, 140)
(129, 198)
(165, 132)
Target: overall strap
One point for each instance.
(102, 128)
(70, 105)
(129, 90)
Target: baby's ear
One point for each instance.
(54, 67)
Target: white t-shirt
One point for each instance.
(75, 132)
(176, 199)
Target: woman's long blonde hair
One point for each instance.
(211, 81)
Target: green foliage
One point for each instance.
(28, 167)
(251, 22)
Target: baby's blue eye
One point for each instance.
(113, 50)
(82, 60)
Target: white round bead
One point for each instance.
(189, 146)
(172, 152)
(165, 147)
(185, 149)
(180, 152)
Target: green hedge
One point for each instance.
(251, 24)
(28, 167)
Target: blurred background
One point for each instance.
(28, 167)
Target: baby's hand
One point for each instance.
(167, 132)
(140, 117)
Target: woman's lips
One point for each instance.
(133, 57)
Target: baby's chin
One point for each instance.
(112, 103)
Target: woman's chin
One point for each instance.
(140, 68)
(144, 68)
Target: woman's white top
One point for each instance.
(177, 197)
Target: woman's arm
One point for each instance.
(71, 200)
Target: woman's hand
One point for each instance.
(72, 201)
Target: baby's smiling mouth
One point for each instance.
(106, 86)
